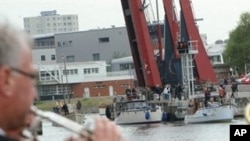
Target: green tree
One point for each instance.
(237, 52)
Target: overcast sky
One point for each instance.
(220, 16)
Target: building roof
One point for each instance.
(215, 49)
(37, 36)
(122, 60)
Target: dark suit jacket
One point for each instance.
(3, 138)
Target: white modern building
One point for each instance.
(64, 73)
(81, 79)
(214, 52)
(51, 22)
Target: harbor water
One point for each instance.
(174, 131)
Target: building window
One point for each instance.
(96, 56)
(43, 58)
(65, 43)
(70, 58)
(75, 71)
(69, 23)
(59, 44)
(47, 43)
(124, 66)
(52, 43)
(48, 75)
(218, 58)
(103, 39)
(70, 43)
(53, 57)
(65, 72)
(70, 72)
(90, 70)
(94, 70)
(43, 43)
(86, 71)
(48, 90)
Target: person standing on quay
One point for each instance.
(222, 93)
(178, 91)
(207, 96)
(78, 106)
(65, 109)
(234, 88)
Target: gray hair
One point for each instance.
(10, 44)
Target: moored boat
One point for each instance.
(138, 112)
(214, 112)
(102, 110)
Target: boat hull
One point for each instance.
(102, 111)
(139, 117)
(212, 114)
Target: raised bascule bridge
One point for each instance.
(170, 52)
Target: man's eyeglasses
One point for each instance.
(30, 75)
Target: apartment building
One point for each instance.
(51, 22)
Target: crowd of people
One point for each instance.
(169, 92)
(64, 107)
(222, 92)
(18, 91)
(172, 92)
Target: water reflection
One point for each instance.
(176, 131)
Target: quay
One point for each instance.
(177, 109)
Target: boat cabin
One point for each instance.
(132, 105)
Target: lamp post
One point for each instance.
(66, 77)
(62, 87)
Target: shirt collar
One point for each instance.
(2, 133)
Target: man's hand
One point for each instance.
(105, 130)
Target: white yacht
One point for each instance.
(138, 112)
(212, 113)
